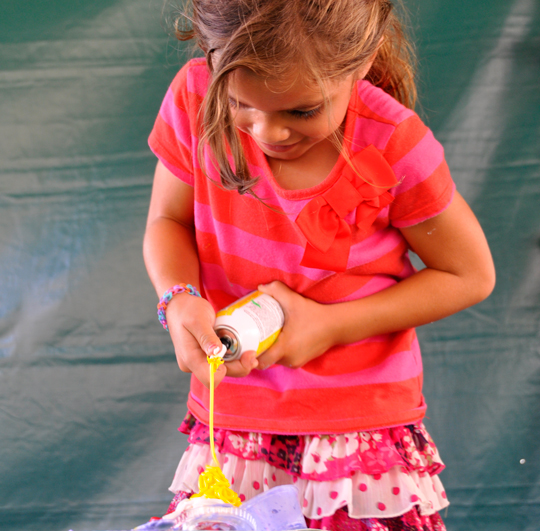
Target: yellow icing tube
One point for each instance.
(251, 323)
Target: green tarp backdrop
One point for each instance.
(90, 394)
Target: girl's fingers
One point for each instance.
(218, 375)
(286, 297)
(201, 343)
(269, 357)
(275, 356)
(289, 301)
(209, 342)
(191, 321)
(243, 366)
(279, 291)
(191, 328)
(197, 364)
(197, 318)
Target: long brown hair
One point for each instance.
(270, 37)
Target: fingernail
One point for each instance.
(217, 350)
(254, 363)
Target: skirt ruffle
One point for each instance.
(410, 521)
(376, 474)
(327, 457)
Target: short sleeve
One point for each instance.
(173, 138)
(425, 186)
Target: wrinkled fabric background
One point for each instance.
(90, 394)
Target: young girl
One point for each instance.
(290, 160)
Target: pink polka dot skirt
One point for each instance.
(377, 475)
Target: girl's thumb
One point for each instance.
(211, 345)
(276, 289)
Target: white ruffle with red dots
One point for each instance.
(384, 495)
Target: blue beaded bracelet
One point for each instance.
(168, 295)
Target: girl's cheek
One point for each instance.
(318, 131)
(241, 122)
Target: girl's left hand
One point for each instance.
(305, 334)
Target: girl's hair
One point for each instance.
(323, 39)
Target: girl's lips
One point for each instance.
(277, 148)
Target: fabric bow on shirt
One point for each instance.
(364, 188)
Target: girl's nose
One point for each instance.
(269, 129)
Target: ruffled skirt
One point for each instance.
(383, 479)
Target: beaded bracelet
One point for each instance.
(168, 295)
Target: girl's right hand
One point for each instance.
(191, 325)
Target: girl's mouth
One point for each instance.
(276, 148)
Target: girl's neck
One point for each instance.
(307, 171)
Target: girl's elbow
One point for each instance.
(484, 284)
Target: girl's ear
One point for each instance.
(362, 72)
(211, 58)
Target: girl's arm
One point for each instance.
(459, 273)
(170, 255)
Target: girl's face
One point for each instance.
(287, 118)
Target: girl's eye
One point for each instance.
(307, 114)
(234, 104)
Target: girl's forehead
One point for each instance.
(290, 84)
(282, 82)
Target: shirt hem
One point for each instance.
(299, 427)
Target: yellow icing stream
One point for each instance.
(212, 482)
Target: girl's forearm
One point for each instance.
(171, 258)
(425, 297)
(459, 273)
(170, 254)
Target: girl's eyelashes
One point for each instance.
(233, 103)
(297, 114)
(307, 114)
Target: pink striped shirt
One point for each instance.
(241, 243)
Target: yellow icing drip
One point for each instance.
(212, 482)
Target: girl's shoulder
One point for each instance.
(197, 67)
(375, 103)
(381, 120)
(192, 78)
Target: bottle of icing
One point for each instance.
(251, 323)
